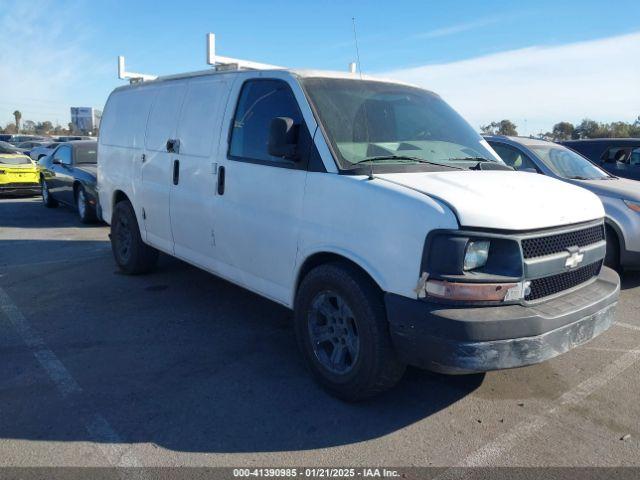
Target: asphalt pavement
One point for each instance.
(180, 368)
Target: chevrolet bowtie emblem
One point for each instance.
(574, 259)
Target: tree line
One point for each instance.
(567, 131)
(561, 131)
(35, 128)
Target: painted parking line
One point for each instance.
(61, 377)
(496, 449)
(106, 438)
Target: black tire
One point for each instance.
(376, 366)
(612, 257)
(47, 200)
(86, 212)
(131, 254)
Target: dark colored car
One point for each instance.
(620, 156)
(5, 137)
(69, 176)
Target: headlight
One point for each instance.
(635, 206)
(476, 254)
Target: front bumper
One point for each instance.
(458, 340)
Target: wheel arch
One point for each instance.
(615, 229)
(119, 196)
(325, 256)
(76, 184)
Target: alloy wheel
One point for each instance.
(333, 332)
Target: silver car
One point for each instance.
(41, 151)
(620, 196)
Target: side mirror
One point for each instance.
(283, 138)
(56, 161)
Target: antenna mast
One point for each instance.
(355, 37)
(364, 104)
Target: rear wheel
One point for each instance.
(612, 257)
(342, 330)
(47, 199)
(132, 255)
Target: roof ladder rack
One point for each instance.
(131, 76)
(227, 63)
(218, 62)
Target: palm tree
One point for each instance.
(18, 116)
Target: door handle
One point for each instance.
(176, 172)
(221, 179)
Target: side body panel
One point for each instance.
(193, 199)
(157, 169)
(121, 146)
(379, 225)
(260, 212)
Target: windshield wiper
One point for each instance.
(472, 159)
(404, 157)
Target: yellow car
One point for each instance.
(18, 173)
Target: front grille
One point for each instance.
(541, 246)
(543, 287)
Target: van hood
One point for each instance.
(504, 200)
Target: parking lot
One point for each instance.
(181, 368)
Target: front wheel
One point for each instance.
(343, 333)
(131, 254)
(47, 200)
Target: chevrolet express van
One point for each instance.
(368, 207)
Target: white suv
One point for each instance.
(369, 207)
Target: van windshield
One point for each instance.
(388, 123)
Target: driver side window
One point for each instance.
(63, 155)
(260, 101)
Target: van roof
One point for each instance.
(302, 73)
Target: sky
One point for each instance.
(536, 63)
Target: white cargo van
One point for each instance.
(369, 207)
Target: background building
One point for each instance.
(85, 120)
